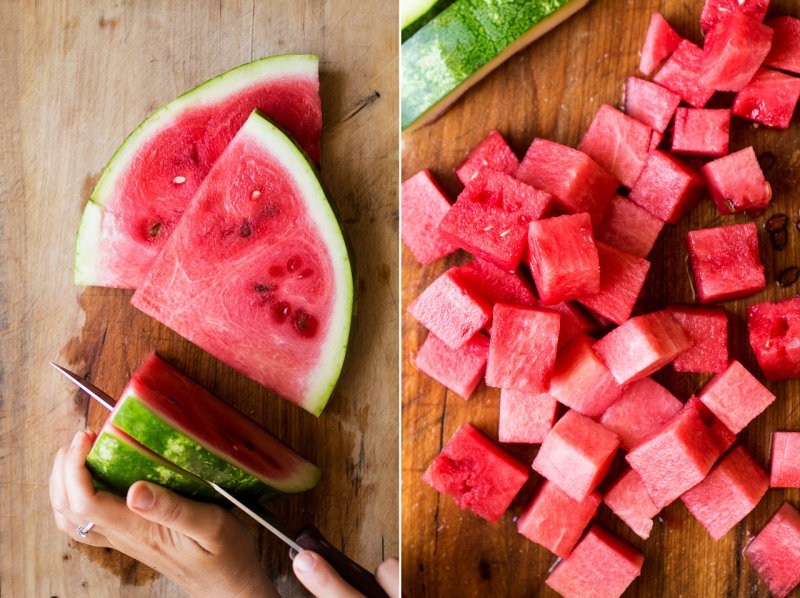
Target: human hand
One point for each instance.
(200, 546)
(319, 578)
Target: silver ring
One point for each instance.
(83, 530)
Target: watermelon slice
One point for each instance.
(257, 273)
(736, 397)
(681, 74)
(525, 417)
(460, 370)
(667, 188)
(785, 460)
(149, 181)
(775, 552)
(775, 337)
(492, 153)
(661, 41)
(628, 499)
(628, 227)
(650, 103)
(716, 10)
(423, 206)
(707, 328)
(770, 98)
(785, 51)
(701, 132)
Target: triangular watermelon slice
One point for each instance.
(146, 185)
(257, 272)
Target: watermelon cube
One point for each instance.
(622, 277)
(785, 51)
(642, 345)
(736, 183)
(667, 188)
(650, 103)
(573, 322)
(725, 262)
(775, 337)
(628, 499)
(477, 474)
(707, 328)
(563, 258)
(555, 520)
(492, 153)
(701, 132)
(736, 397)
(628, 227)
(522, 349)
(450, 310)
(424, 204)
(526, 417)
(491, 215)
(576, 182)
(775, 552)
(716, 10)
(681, 74)
(655, 140)
(460, 370)
(728, 493)
(785, 460)
(643, 407)
(770, 99)
(720, 433)
(618, 143)
(660, 42)
(601, 566)
(733, 51)
(580, 379)
(576, 454)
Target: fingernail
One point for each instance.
(76, 439)
(143, 498)
(305, 561)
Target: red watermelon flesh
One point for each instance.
(736, 397)
(775, 552)
(573, 322)
(576, 182)
(460, 370)
(737, 184)
(655, 140)
(555, 520)
(728, 493)
(494, 284)
(643, 407)
(618, 143)
(701, 132)
(628, 227)
(661, 41)
(477, 474)
(775, 337)
(770, 99)
(715, 11)
(628, 499)
(650, 103)
(492, 153)
(490, 218)
(785, 51)
(720, 433)
(681, 74)
(785, 460)
(423, 206)
(667, 188)
(526, 417)
(149, 181)
(262, 281)
(707, 328)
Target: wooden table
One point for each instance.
(553, 90)
(76, 77)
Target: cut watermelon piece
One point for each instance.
(725, 262)
(650, 103)
(526, 417)
(736, 397)
(720, 433)
(622, 277)
(728, 493)
(643, 407)
(737, 184)
(601, 566)
(460, 370)
(770, 99)
(257, 273)
(628, 499)
(707, 328)
(775, 552)
(188, 426)
(681, 74)
(715, 11)
(576, 454)
(667, 188)
(522, 349)
(147, 184)
(573, 322)
(785, 51)
(642, 345)
(655, 140)
(661, 41)
(775, 337)
(492, 153)
(477, 474)
(490, 218)
(555, 520)
(423, 206)
(785, 460)
(618, 143)
(628, 227)
(563, 258)
(576, 182)
(701, 132)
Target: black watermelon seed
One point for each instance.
(779, 239)
(776, 222)
(789, 276)
(766, 161)
(155, 229)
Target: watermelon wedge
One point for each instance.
(148, 182)
(257, 272)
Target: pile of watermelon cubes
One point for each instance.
(543, 311)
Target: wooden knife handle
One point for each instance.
(362, 580)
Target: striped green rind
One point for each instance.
(414, 14)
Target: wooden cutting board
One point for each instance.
(76, 78)
(553, 90)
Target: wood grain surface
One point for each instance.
(76, 77)
(553, 90)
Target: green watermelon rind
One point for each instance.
(88, 251)
(414, 14)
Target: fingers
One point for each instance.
(320, 578)
(388, 577)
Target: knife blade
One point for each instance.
(98, 395)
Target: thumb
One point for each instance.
(319, 578)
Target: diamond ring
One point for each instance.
(83, 530)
